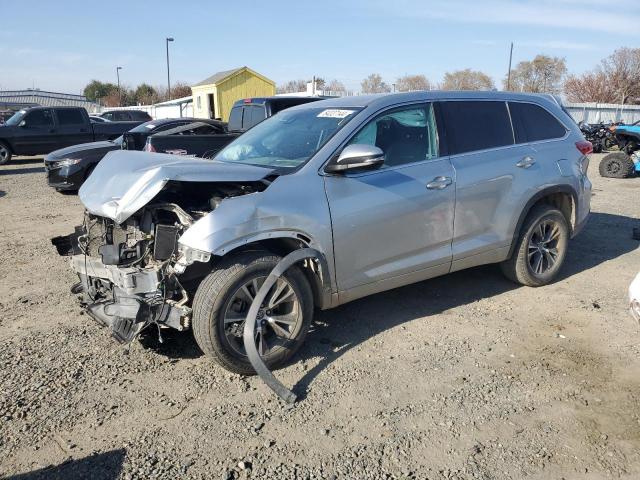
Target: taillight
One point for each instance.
(585, 147)
(149, 148)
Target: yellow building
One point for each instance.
(214, 96)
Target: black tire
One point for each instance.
(217, 290)
(5, 153)
(616, 165)
(518, 268)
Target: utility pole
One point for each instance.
(119, 91)
(509, 72)
(169, 39)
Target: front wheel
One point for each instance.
(222, 302)
(540, 249)
(5, 154)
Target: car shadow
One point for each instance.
(2, 193)
(19, 171)
(102, 466)
(26, 160)
(335, 332)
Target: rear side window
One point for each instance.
(532, 123)
(70, 117)
(235, 119)
(476, 125)
(253, 115)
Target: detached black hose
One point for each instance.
(250, 323)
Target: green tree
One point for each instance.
(96, 90)
(145, 94)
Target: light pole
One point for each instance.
(119, 91)
(509, 72)
(169, 39)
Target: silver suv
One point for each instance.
(390, 190)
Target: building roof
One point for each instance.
(220, 77)
(46, 99)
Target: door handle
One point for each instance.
(439, 183)
(526, 162)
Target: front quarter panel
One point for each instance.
(292, 205)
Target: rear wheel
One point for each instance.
(616, 165)
(541, 248)
(222, 302)
(5, 153)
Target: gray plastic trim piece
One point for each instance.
(250, 323)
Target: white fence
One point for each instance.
(603, 112)
(180, 107)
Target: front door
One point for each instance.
(38, 135)
(394, 225)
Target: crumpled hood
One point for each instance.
(82, 148)
(125, 181)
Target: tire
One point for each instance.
(5, 153)
(616, 165)
(219, 293)
(521, 267)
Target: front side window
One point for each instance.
(476, 125)
(108, 116)
(532, 123)
(39, 118)
(288, 139)
(405, 135)
(70, 117)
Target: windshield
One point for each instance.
(16, 118)
(145, 127)
(287, 139)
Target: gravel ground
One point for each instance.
(466, 376)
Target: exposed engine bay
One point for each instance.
(136, 273)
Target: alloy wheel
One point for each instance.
(543, 245)
(278, 321)
(4, 154)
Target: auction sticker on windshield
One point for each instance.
(335, 113)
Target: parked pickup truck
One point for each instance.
(41, 130)
(245, 114)
(197, 139)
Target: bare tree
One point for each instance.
(374, 84)
(335, 86)
(623, 70)
(592, 86)
(293, 86)
(543, 74)
(412, 83)
(467, 80)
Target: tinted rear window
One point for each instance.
(476, 125)
(253, 114)
(235, 118)
(70, 117)
(532, 123)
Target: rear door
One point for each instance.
(39, 134)
(492, 173)
(394, 225)
(72, 127)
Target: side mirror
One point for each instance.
(23, 123)
(356, 157)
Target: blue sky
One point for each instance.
(62, 45)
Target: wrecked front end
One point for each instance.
(133, 270)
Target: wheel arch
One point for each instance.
(563, 197)
(282, 243)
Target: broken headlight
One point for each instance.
(190, 255)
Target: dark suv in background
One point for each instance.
(126, 115)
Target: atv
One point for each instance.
(626, 162)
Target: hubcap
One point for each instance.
(613, 167)
(279, 318)
(4, 153)
(543, 247)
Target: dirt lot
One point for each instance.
(465, 376)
